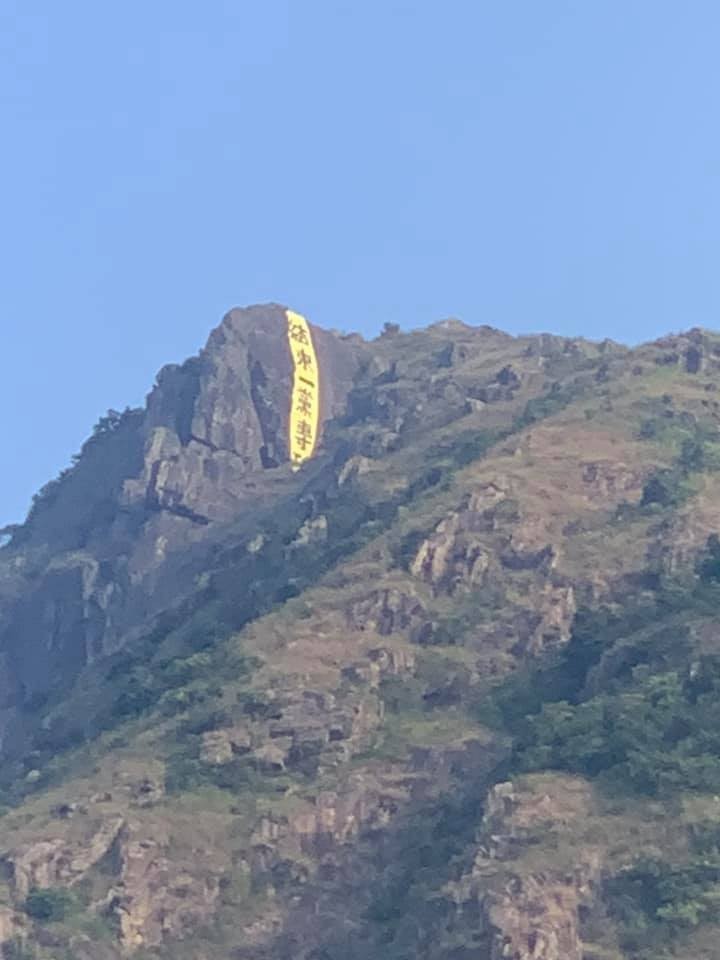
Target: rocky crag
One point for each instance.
(444, 693)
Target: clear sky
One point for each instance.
(531, 164)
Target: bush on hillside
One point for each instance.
(660, 735)
(51, 904)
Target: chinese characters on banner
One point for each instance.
(305, 401)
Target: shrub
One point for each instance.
(660, 735)
(50, 904)
(558, 397)
(667, 488)
(709, 565)
(654, 898)
(18, 949)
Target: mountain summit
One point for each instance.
(447, 691)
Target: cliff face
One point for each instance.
(383, 705)
(107, 546)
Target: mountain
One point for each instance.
(448, 691)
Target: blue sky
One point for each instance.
(532, 165)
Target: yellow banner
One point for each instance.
(305, 402)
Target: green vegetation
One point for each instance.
(556, 399)
(632, 705)
(659, 736)
(654, 902)
(18, 949)
(51, 904)
(666, 488)
(652, 724)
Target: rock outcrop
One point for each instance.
(60, 861)
(106, 546)
(458, 552)
(529, 914)
(156, 899)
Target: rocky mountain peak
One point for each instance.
(94, 556)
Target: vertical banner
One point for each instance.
(305, 400)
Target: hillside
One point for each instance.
(447, 692)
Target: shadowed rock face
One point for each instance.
(223, 416)
(93, 560)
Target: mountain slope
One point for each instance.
(447, 692)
